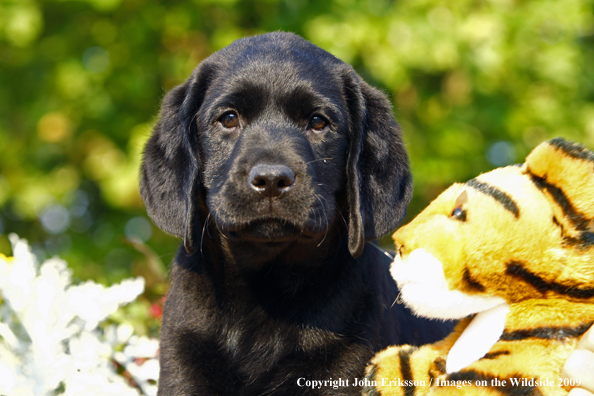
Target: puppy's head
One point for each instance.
(271, 140)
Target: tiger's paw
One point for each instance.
(403, 370)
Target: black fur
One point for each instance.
(268, 289)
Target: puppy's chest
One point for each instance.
(277, 353)
(253, 339)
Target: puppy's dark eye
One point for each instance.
(229, 120)
(318, 123)
(459, 214)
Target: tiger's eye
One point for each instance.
(230, 120)
(459, 214)
(318, 123)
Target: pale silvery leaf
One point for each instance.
(98, 384)
(8, 336)
(104, 300)
(118, 335)
(16, 276)
(49, 335)
(142, 373)
(9, 362)
(124, 332)
(141, 347)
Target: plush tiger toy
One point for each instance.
(515, 247)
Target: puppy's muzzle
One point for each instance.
(271, 181)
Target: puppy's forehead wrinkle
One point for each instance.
(249, 103)
(276, 67)
(276, 84)
(274, 107)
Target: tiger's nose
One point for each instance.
(271, 181)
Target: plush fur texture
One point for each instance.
(276, 163)
(521, 240)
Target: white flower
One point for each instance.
(49, 335)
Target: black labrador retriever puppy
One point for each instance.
(276, 163)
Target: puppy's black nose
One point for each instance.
(271, 181)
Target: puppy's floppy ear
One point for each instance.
(379, 183)
(170, 173)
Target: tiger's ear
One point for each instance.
(565, 171)
(379, 183)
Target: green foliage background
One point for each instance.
(475, 85)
